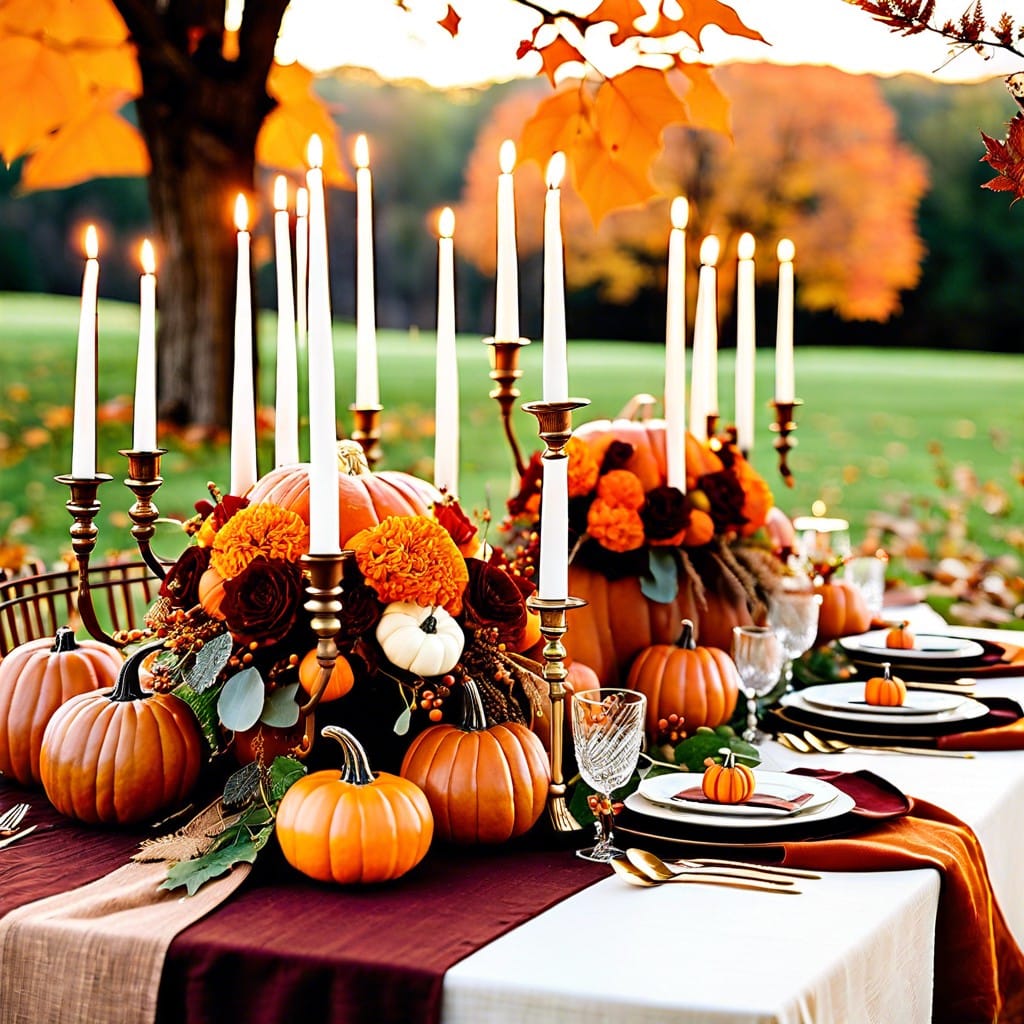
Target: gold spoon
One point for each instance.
(658, 870)
(634, 876)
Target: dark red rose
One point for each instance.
(492, 598)
(529, 485)
(726, 495)
(260, 604)
(665, 512)
(459, 526)
(360, 609)
(616, 456)
(181, 584)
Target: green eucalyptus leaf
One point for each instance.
(708, 742)
(403, 722)
(661, 581)
(209, 662)
(241, 700)
(280, 709)
(284, 773)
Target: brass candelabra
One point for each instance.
(323, 602)
(505, 373)
(366, 430)
(785, 426)
(144, 481)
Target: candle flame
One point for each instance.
(446, 222)
(92, 242)
(147, 257)
(709, 249)
(745, 246)
(785, 251)
(362, 152)
(507, 157)
(556, 170)
(818, 508)
(241, 213)
(680, 213)
(302, 202)
(280, 192)
(315, 151)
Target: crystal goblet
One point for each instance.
(758, 656)
(793, 616)
(607, 731)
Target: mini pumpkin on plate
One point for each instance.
(729, 782)
(887, 690)
(900, 637)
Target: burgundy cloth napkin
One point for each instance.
(697, 795)
(875, 798)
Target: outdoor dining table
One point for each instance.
(852, 947)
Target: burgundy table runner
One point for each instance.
(285, 948)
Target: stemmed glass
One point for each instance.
(793, 615)
(607, 730)
(757, 654)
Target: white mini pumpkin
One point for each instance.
(425, 641)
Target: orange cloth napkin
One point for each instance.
(1000, 737)
(979, 968)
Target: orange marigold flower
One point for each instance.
(259, 531)
(621, 488)
(412, 558)
(583, 468)
(614, 526)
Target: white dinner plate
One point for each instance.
(663, 790)
(967, 710)
(848, 697)
(837, 804)
(927, 647)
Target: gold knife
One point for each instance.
(17, 835)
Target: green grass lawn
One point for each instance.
(874, 426)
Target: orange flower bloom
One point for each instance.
(583, 468)
(412, 558)
(622, 489)
(614, 526)
(259, 531)
(757, 495)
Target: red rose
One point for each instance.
(260, 604)
(492, 598)
(181, 584)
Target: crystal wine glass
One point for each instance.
(793, 615)
(607, 730)
(757, 654)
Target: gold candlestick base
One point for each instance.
(144, 481)
(84, 506)
(554, 423)
(784, 426)
(712, 424)
(553, 628)
(323, 602)
(366, 430)
(505, 373)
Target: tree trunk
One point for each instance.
(200, 114)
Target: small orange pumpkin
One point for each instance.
(485, 784)
(340, 683)
(843, 611)
(120, 756)
(353, 825)
(887, 691)
(211, 593)
(900, 637)
(729, 782)
(36, 678)
(700, 684)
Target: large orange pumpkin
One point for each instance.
(353, 825)
(366, 497)
(647, 437)
(485, 784)
(843, 611)
(121, 756)
(700, 684)
(38, 677)
(618, 621)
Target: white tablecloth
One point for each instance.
(853, 948)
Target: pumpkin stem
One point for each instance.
(687, 641)
(429, 624)
(355, 768)
(886, 666)
(128, 687)
(474, 719)
(64, 641)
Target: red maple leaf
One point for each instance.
(1007, 159)
(450, 22)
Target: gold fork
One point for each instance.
(12, 818)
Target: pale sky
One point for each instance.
(378, 34)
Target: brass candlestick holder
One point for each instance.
(323, 602)
(505, 373)
(553, 628)
(144, 481)
(712, 424)
(84, 506)
(366, 430)
(784, 426)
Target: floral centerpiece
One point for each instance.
(645, 555)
